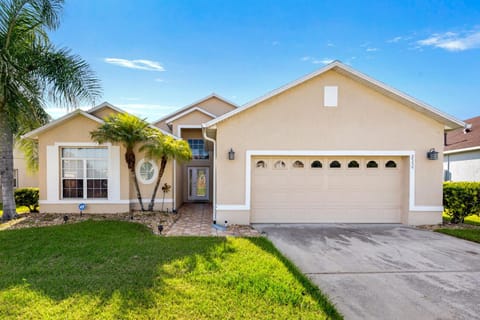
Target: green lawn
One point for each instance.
(119, 270)
(467, 234)
(474, 220)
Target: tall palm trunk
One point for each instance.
(137, 189)
(130, 159)
(6, 168)
(163, 164)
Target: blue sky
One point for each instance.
(155, 56)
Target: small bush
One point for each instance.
(461, 199)
(27, 197)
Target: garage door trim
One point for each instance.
(364, 153)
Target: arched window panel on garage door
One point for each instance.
(261, 164)
(280, 164)
(335, 164)
(353, 164)
(390, 164)
(372, 164)
(298, 164)
(316, 164)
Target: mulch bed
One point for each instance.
(150, 219)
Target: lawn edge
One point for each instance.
(447, 232)
(324, 301)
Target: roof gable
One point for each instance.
(78, 112)
(100, 110)
(186, 112)
(193, 105)
(90, 114)
(449, 122)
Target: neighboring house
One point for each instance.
(461, 160)
(333, 146)
(22, 177)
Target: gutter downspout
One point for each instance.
(214, 197)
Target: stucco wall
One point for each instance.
(464, 166)
(77, 131)
(147, 189)
(297, 120)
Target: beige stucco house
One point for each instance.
(333, 146)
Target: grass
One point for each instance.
(467, 234)
(119, 270)
(473, 220)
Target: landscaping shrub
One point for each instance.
(461, 199)
(27, 197)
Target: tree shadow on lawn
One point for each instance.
(99, 259)
(92, 267)
(311, 289)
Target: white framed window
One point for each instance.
(84, 173)
(330, 96)
(147, 171)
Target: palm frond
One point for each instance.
(122, 128)
(160, 145)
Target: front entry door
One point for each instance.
(198, 183)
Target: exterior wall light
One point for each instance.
(432, 154)
(231, 154)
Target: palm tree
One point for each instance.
(162, 147)
(129, 131)
(29, 147)
(33, 70)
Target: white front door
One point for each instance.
(198, 183)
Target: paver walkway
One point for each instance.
(195, 219)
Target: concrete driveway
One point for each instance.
(386, 271)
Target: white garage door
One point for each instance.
(328, 189)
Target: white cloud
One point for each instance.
(371, 49)
(144, 110)
(395, 40)
(323, 61)
(329, 44)
(159, 80)
(56, 112)
(142, 106)
(317, 61)
(140, 64)
(452, 41)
